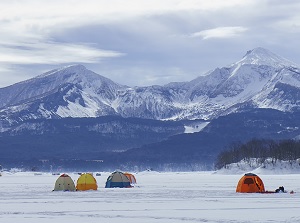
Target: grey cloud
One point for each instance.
(156, 48)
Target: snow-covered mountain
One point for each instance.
(72, 91)
(260, 79)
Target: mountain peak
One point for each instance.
(262, 56)
(259, 51)
(75, 68)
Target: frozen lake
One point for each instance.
(158, 197)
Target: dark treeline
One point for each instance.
(286, 150)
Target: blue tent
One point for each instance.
(117, 179)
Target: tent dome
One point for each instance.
(250, 183)
(86, 181)
(117, 179)
(131, 178)
(64, 183)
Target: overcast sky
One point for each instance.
(141, 42)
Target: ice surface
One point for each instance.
(158, 197)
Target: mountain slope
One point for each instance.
(81, 138)
(260, 79)
(72, 91)
(248, 81)
(219, 134)
(49, 82)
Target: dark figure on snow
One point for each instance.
(280, 190)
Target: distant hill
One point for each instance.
(204, 146)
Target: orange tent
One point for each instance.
(86, 182)
(131, 178)
(250, 183)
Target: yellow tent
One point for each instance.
(86, 182)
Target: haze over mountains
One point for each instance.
(260, 80)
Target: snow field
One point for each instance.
(157, 198)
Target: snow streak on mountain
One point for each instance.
(260, 79)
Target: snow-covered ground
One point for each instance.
(267, 167)
(158, 197)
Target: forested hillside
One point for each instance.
(261, 149)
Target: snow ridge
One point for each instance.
(261, 56)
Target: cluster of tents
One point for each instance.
(87, 181)
(251, 183)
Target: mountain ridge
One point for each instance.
(261, 79)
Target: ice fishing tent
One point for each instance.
(117, 179)
(250, 183)
(131, 178)
(86, 181)
(64, 183)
